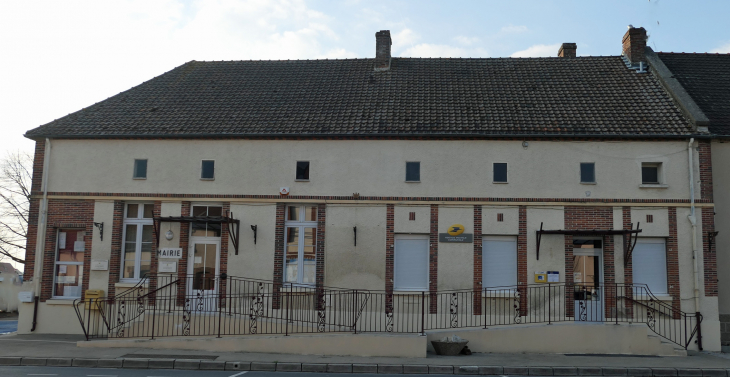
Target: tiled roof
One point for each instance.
(450, 97)
(7, 268)
(706, 78)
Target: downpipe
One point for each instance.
(695, 259)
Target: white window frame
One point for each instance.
(484, 270)
(659, 173)
(56, 262)
(140, 222)
(207, 205)
(395, 264)
(653, 240)
(300, 254)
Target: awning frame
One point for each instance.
(226, 220)
(630, 237)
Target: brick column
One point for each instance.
(433, 258)
(709, 257)
(673, 261)
(389, 256)
(320, 249)
(278, 255)
(226, 208)
(522, 260)
(477, 260)
(115, 259)
(182, 265)
(628, 290)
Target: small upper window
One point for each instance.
(413, 171)
(207, 170)
(140, 169)
(302, 170)
(650, 173)
(206, 229)
(587, 172)
(500, 172)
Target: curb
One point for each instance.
(192, 364)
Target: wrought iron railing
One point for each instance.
(163, 306)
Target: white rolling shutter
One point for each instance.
(499, 261)
(649, 263)
(411, 263)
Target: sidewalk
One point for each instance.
(61, 350)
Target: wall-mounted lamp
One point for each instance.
(169, 234)
(525, 144)
(354, 230)
(101, 230)
(255, 229)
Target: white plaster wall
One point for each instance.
(658, 228)
(456, 260)
(350, 266)
(552, 247)
(255, 261)
(101, 249)
(369, 167)
(402, 224)
(170, 209)
(59, 318)
(721, 184)
(510, 225)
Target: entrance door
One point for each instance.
(203, 266)
(588, 279)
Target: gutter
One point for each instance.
(695, 257)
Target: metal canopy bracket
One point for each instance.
(630, 243)
(593, 232)
(223, 220)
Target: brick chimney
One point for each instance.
(634, 43)
(567, 50)
(382, 50)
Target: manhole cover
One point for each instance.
(158, 356)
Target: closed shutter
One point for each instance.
(649, 263)
(411, 263)
(499, 261)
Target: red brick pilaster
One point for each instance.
(152, 279)
(628, 267)
(433, 257)
(182, 265)
(225, 235)
(36, 189)
(709, 257)
(389, 256)
(278, 255)
(522, 259)
(673, 261)
(115, 259)
(477, 260)
(320, 243)
(569, 289)
(705, 159)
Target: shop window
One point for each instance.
(140, 169)
(69, 263)
(499, 261)
(587, 172)
(204, 229)
(651, 173)
(300, 255)
(649, 264)
(138, 240)
(302, 170)
(413, 171)
(499, 172)
(410, 268)
(207, 170)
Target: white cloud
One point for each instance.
(403, 39)
(428, 50)
(512, 29)
(538, 51)
(722, 49)
(466, 41)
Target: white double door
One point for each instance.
(204, 271)
(588, 284)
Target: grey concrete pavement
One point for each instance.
(59, 349)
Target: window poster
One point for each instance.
(61, 269)
(79, 246)
(61, 240)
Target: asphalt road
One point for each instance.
(101, 372)
(8, 326)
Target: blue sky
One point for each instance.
(61, 56)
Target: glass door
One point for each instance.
(587, 280)
(203, 267)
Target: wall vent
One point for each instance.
(500, 217)
(412, 216)
(649, 218)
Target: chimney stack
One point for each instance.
(634, 43)
(382, 50)
(567, 50)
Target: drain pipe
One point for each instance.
(695, 258)
(41, 235)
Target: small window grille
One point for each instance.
(649, 218)
(412, 216)
(500, 217)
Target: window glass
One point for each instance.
(132, 211)
(148, 211)
(500, 172)
(68, 269)
(310, 213)
(499, 262)
(203, 229)
(303, 170)
(587, 172)
(292, 213)
(208, 169)
(309, 257)
(650, 174)
(140, 168)
(649, 264)
(292, 255)
(300, 260)
(410, 271)
(413, 171)
(138, 243)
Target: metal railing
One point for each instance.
(164, 306)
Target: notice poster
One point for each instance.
(553, 276)
(61, 269)
(79, 246)
(61, 240)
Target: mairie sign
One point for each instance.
(455, 233)
(170, 253)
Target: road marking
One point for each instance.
(101, 375)
(238, 374)
(42, 374)
(26, 340)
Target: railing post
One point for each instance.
(549, 300)
(615, 301)
(423, 313)
(698, 316)
(288, 308)
(154, 316)
(354, 312)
